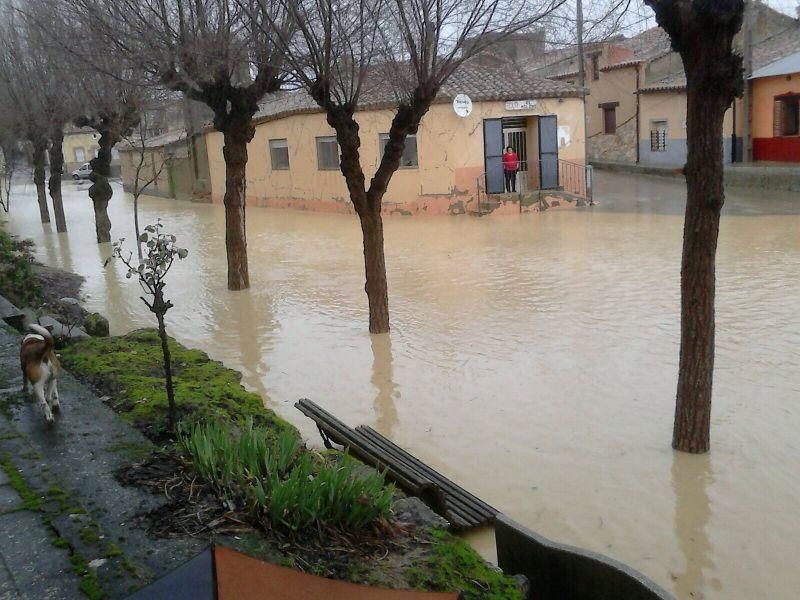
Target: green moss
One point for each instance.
(30, 499)
(129, 368)
(112, 550)
(89, 535)
(453, 565)
(60, 542)
(133, 451)
(8, 402)
(90, 584)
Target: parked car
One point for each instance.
(82, 172)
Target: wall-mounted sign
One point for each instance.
(462, 105)
(520, 104)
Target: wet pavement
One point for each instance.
(69, 467)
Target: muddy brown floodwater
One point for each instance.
(533, 359)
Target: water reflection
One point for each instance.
(691, 478)
(388, 393)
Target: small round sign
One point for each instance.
(462, 105)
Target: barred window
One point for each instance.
(279, 154)
(658, 136)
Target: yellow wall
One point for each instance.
(764, 91)
(78, 140)
(450, 156)
(616, 85)
(672, 107)
(87, 140)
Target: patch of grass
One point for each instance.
(453, 565)
(17, 282)
(129, 368)
(30, 499)
(282, 483)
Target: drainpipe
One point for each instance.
(733, 133)
(638, 126)
(747, 151)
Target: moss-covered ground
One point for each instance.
(452, 564)
(129, 369)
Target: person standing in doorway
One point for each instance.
(510, 168)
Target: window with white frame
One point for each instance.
(279, 154)
(80, 155)
(327, 153)
(409, 160)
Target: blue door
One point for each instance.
(548, 152)
(493, 155)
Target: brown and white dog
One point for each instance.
(40, 367)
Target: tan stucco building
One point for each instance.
(293, 158)
(81, 146)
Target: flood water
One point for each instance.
(532, 358)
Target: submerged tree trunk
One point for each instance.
(702, 32)
(376, 286)
(39, 151)
(100, 192)
(172, 416)
(237, 134)
(54, 184)
(704, 200)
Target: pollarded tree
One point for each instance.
(702, 33)
(111, 101)
(40, 84)
(344, 51)
(19, 68)
(208, 51)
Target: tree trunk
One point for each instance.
(172, 416)
(39, 150)
(237, 134)
(54, 184)
(136, 221)
(705, 196)
(376, 285)
(100, 192)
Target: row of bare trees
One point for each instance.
(228, 54)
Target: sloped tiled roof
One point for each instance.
(479, 82)
(768, 51)
(672, 82)
(783, 66)
(649, 44)
(778, 46)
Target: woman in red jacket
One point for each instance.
(510, 167)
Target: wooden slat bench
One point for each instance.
(454, 503)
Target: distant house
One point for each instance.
(294, 156)
(173, 154)
(776, 110)
(80, 146)
(636, 105)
